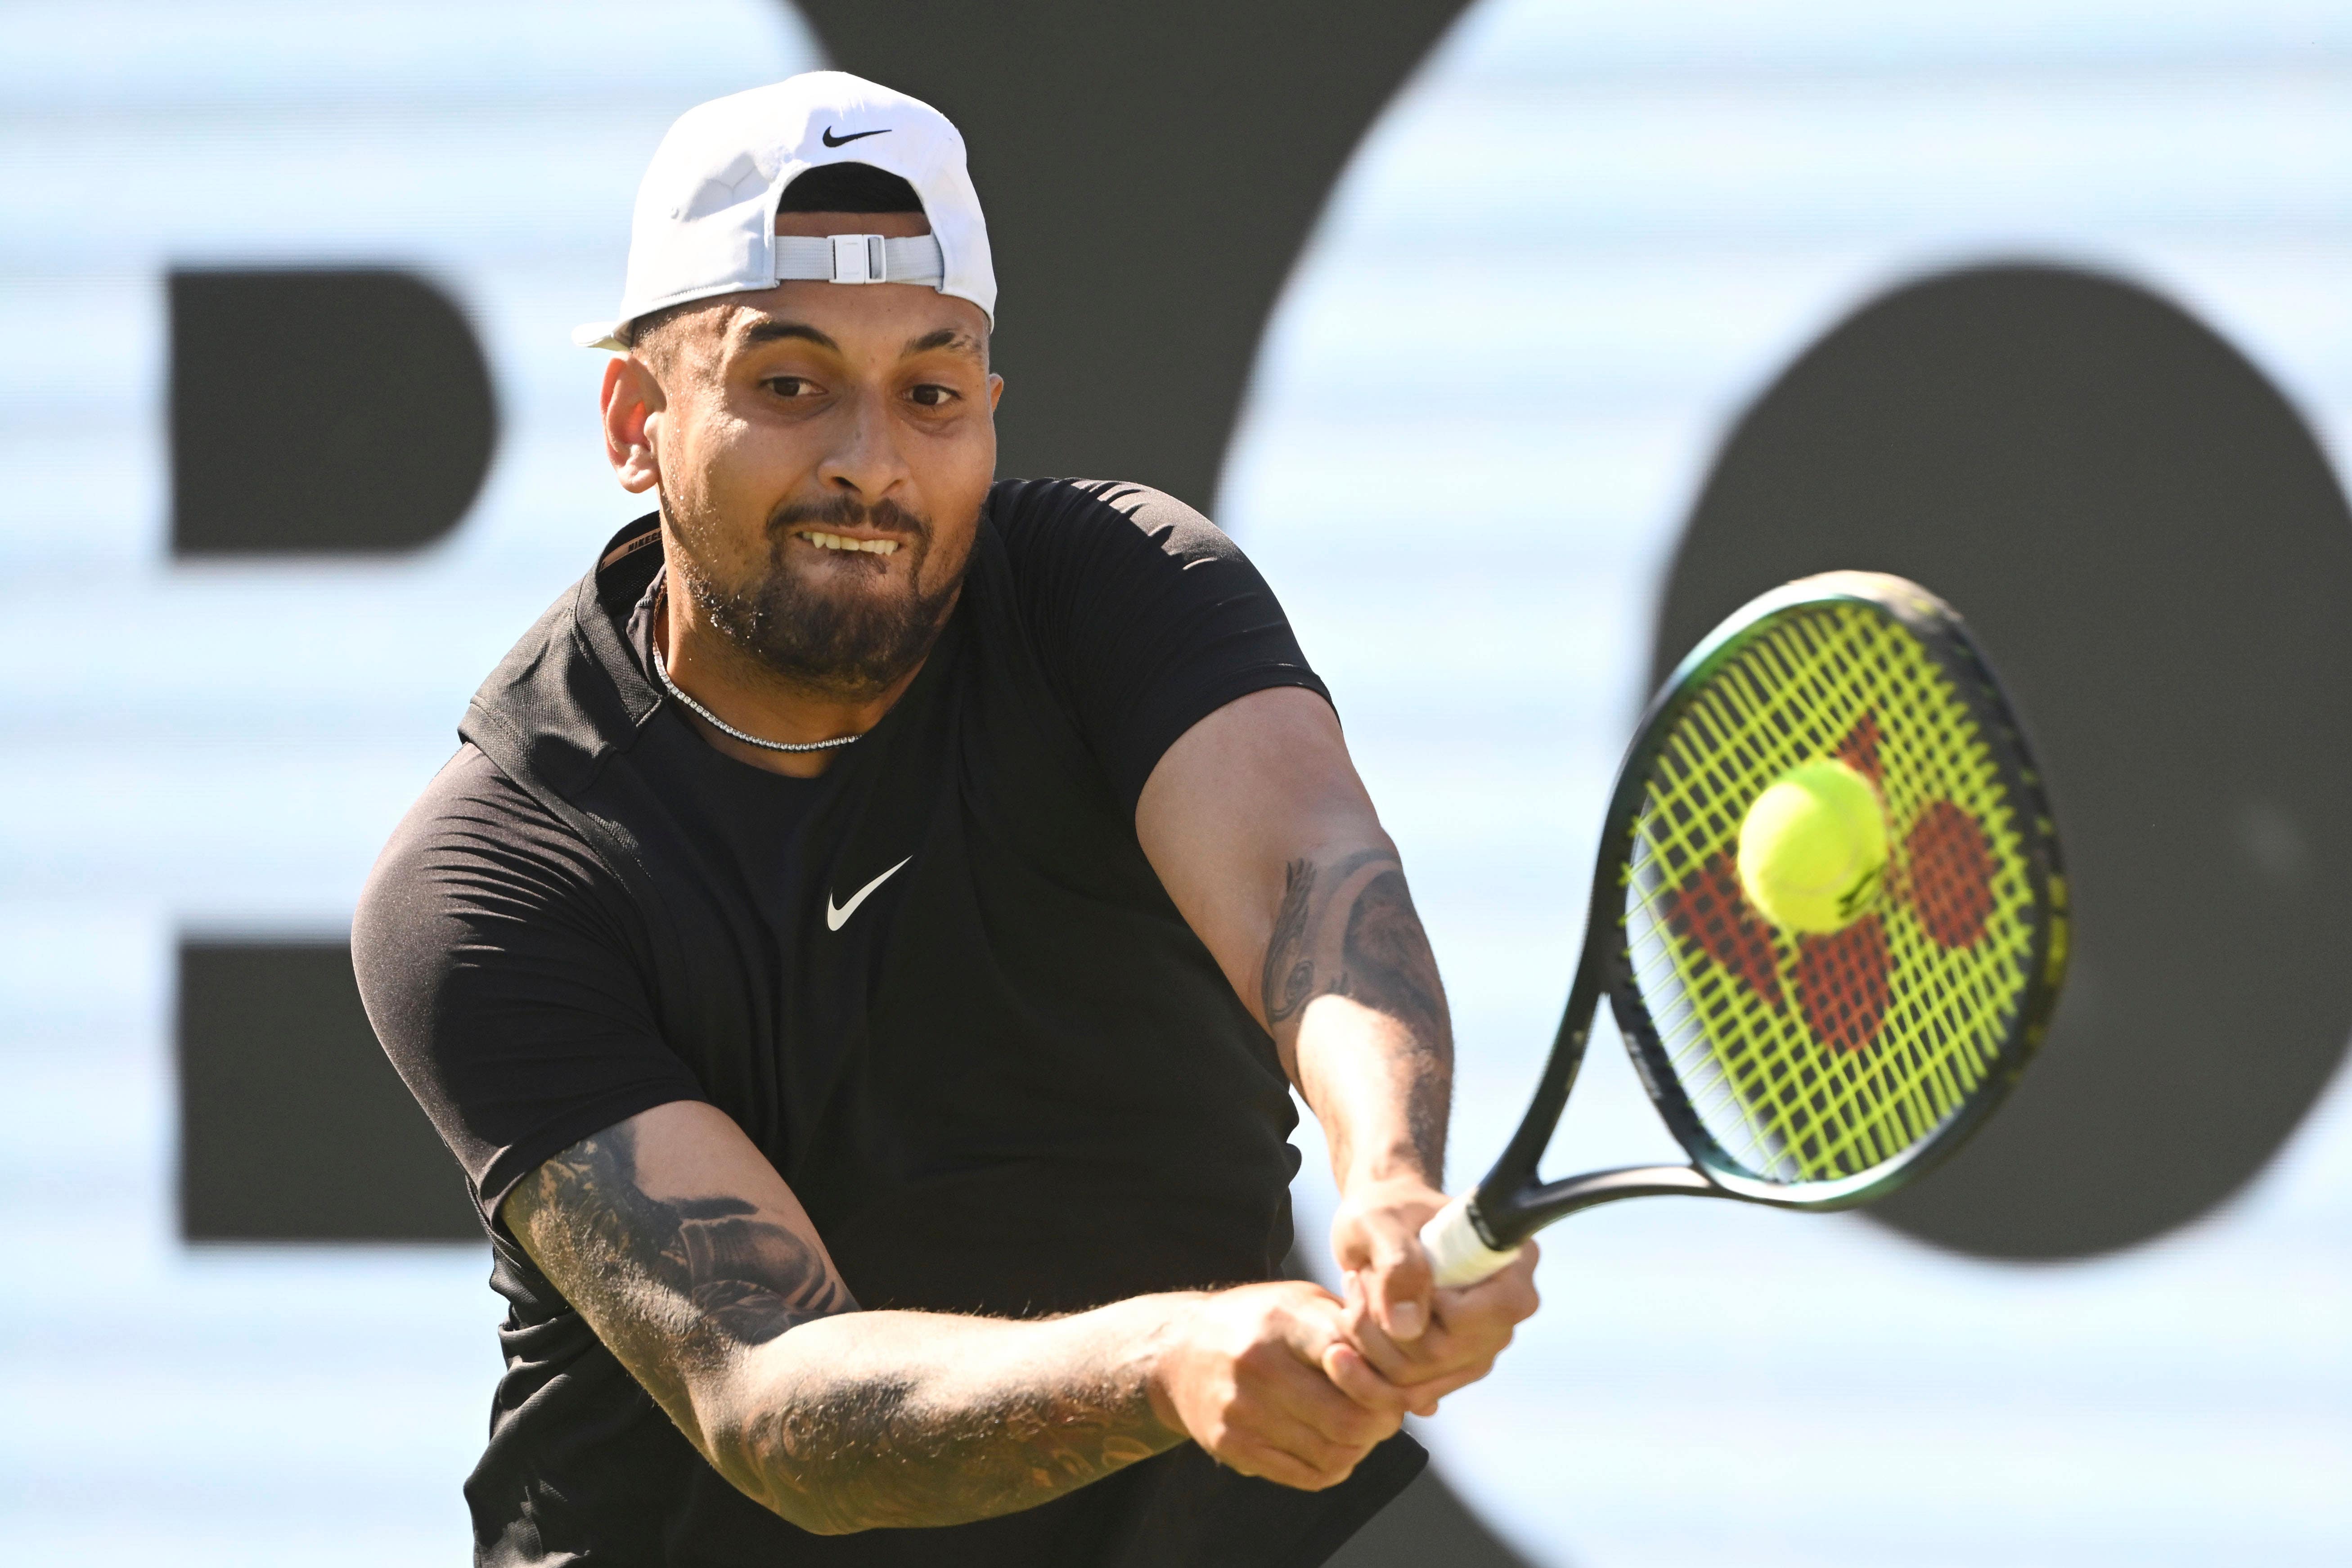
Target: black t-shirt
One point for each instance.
(939, 986)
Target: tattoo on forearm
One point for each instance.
(887, 1459)
(1389, 968)
(1382, 960)
(1289, 976)
(1385, 960)
(675, 1286)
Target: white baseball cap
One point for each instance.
(705, 216)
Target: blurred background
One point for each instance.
(1516, 342)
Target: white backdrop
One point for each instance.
(224, 747)
(1558, 271)
(1563, 261)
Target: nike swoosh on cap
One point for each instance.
(830, 140)
(834, 917)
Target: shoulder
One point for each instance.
(1143, 616)
(472, 800)
(570, 691)
(1113, 517)
(476, 842)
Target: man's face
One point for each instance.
(821, 453)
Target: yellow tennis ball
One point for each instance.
(1814, 846)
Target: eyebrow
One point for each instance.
(955, 337)
(772, 331)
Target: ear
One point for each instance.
(995, 392)
(633, 405)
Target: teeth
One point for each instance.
(843, 542)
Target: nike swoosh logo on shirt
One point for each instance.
(834, 918)
(830, 140)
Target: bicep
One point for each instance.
(1144, 616)
(678, 1241)
(1241, 815)
(503, 971)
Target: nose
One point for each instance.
(865, 461)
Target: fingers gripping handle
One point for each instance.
(1457, 1253)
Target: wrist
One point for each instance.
(1399, 1177)
(1160, 1357)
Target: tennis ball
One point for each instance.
(1814, 846)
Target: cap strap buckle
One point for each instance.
(859, 258)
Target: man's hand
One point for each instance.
(1411, 1336)
(1376, 1241)
(1244, 1375)
(1468, 1328)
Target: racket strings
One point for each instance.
(1821, 1057)
(1843, 981)
(1842, 985)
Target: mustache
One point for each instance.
(847, 512)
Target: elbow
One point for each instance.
(756, 1455)
(802, 1512)
(821, 1526)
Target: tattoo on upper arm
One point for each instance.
(720, 1272)
(670, 1284)
(754, 1278)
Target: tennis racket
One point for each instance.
(1814, 1070)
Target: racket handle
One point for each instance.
(1457, 1251)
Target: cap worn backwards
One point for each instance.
(705, 216)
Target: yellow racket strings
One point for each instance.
(1813, 1058)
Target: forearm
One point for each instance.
(1267, 843)
(899, 1419)
(698, 1268)
(1351, 992)
(1379, 1090)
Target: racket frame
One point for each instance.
(1510, 1204)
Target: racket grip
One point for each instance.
(1457, 1251)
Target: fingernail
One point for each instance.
(1405, 1319)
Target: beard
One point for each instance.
(838, 637)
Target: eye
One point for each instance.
(792, 387)
(931, 394)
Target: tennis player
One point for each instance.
(864, 946)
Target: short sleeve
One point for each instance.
(1147, 617)
(495, 956)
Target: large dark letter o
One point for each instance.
(2158, 560)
